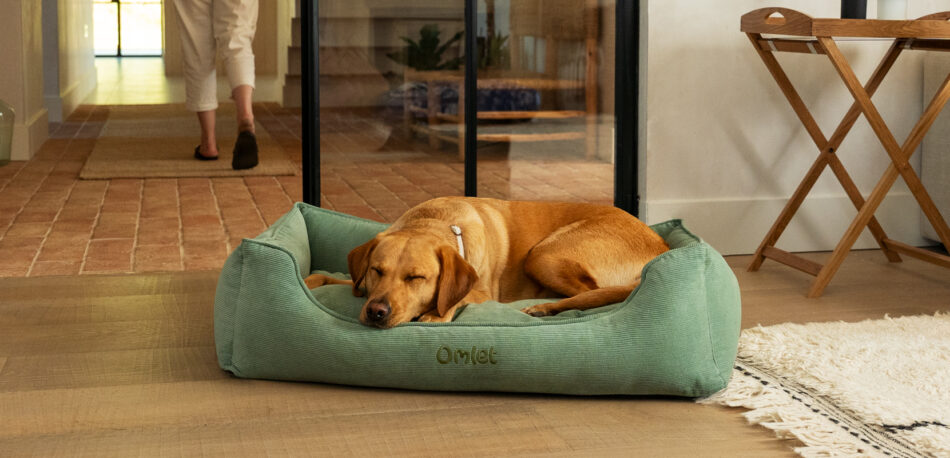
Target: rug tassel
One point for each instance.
(770, 408)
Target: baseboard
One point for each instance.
(60, 107)
(737, 226)
(74, 95)
(54, 107)
(30, 135)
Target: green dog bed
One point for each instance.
(676, 334)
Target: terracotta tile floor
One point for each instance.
(53, 223)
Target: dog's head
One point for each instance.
(406, 274)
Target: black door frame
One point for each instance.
(626, 102)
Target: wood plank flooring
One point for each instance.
(125, 365)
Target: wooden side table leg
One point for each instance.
(854, 231)
(834, 162)
(817, 167)
(858, 200)
(791, 207)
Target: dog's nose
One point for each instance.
(377, 311)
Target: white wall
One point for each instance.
(723, 149)
(77, 58)
(68, 55)
(21, 74)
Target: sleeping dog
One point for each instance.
(451, 251)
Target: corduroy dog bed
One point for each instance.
(676, 334)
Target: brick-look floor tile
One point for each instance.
(30, 229)
(105, 230)
(203, 234)
(157, 258)
(55, 268)
(205, 255)
(56, 249)
(36, 215)
(14, 270)
(158, 236)
(108, 256)
(18, 257)
(9, 243)
(77, 225)
(159, 231)
(159, 211)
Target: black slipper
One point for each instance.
(245, 151)
(202, 157)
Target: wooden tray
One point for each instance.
(784, 21)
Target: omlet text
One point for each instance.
(446, 355)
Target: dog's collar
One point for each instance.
(458, 237)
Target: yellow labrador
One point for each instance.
(452, 251)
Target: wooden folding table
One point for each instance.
(791, 31)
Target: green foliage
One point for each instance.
(426, 54)
(494, 52)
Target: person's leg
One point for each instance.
(209, 144)
(235, 22)
(198, 65)
(242, 96)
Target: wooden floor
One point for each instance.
(125, 365)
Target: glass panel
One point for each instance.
(142, 28)
(545, 99)
(390, 73)
(105, 27)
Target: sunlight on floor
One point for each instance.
(135, 81)
(141, 81)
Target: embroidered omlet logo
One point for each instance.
(446, 355)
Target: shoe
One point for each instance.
(202, 157)
(245, 151)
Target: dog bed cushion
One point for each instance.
(676, 334)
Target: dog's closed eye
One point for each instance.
(378, 271)
(412, 278)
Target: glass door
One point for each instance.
(389, 78)
(385, 120)
(545, 100)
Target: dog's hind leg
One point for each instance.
(586, 263)
(583, 301)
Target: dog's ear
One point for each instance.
(358, 263)
(455, 280)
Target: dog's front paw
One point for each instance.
(539, 310)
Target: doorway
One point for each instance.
(127, 28)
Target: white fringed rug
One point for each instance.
(874, 388)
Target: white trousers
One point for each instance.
(210, 29)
